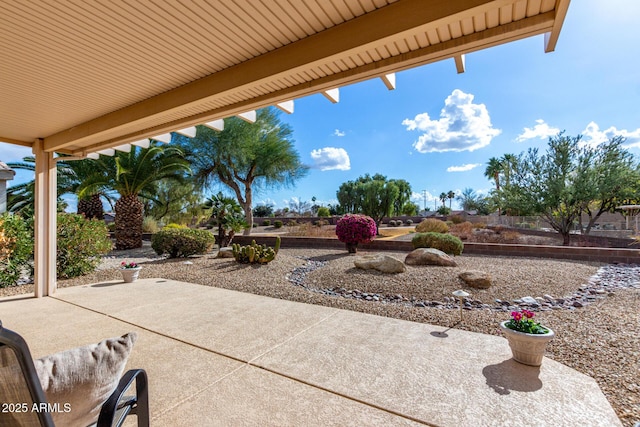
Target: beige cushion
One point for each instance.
(82, 379)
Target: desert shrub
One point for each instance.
(266, 222)
(323, 211)
(449, 223)
(432, 225)
(391, 223)
(445, 242)
(277, 223)
(463, 230)
(505, 236)
(457, 219)
(292, 223)
(356, 229)
(479, 225)
(111, 227)
(173, 226)
(16, 249)
(80, 243)
(408, 222)
(149, 225)
(182, 242)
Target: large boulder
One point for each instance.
(429, 256)
(476, 279)
(380, 262)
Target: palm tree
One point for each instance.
(443, 197)
(135, 175)
(509, 164)
(451, 195)
(493, 171)
(228, 214)
(72, 177)
(468, 199)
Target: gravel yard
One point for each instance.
(600, 340)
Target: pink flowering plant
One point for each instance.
(125, 264)
(522, 321)
(354, 228)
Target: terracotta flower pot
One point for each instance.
(130, 274)
(527, 349)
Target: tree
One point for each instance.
(555, 184)
(228, 214)
(470, 201)
(72, 177)
(263, 211)
(245, 157)
(374, 196)
(450, 195)
(443, 197)
(613, 178)
(493, 171)
(299, 206)
(136, 175)
(175, 202)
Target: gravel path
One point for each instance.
(601, 339)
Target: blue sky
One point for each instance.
(438, 129)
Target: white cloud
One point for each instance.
(338, 132)
(592, 135)
(331, 158)
(462, 126)
(541, 130)
(463, 168)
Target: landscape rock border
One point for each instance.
(607, 280)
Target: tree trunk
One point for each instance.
(248, 217)
(128, 222)
(91, 208)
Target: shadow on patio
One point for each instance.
(220, 357)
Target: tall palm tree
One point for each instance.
(493, 171)
(443, 197)
(451, 195)
(135, 175)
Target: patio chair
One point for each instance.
(24, 400)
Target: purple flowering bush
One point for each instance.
(522, 321)
(354, 228)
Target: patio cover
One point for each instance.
(78, 77)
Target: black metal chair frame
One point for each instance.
(113, 411)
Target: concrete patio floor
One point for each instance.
(222, 358)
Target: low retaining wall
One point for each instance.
(605, 255)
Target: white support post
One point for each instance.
(45, 221)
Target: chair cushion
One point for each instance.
(80, 380)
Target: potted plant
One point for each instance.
(130, 271)
(353, 229)
(527, 338)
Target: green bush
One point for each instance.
(277, 223)
(445, 242)
(431, 225)
(408, 222)
(266, 222)
(80, 244)
(324, 211)
(16, 249)
(182, 242)
(391, 223)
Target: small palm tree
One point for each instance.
(229, 216)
